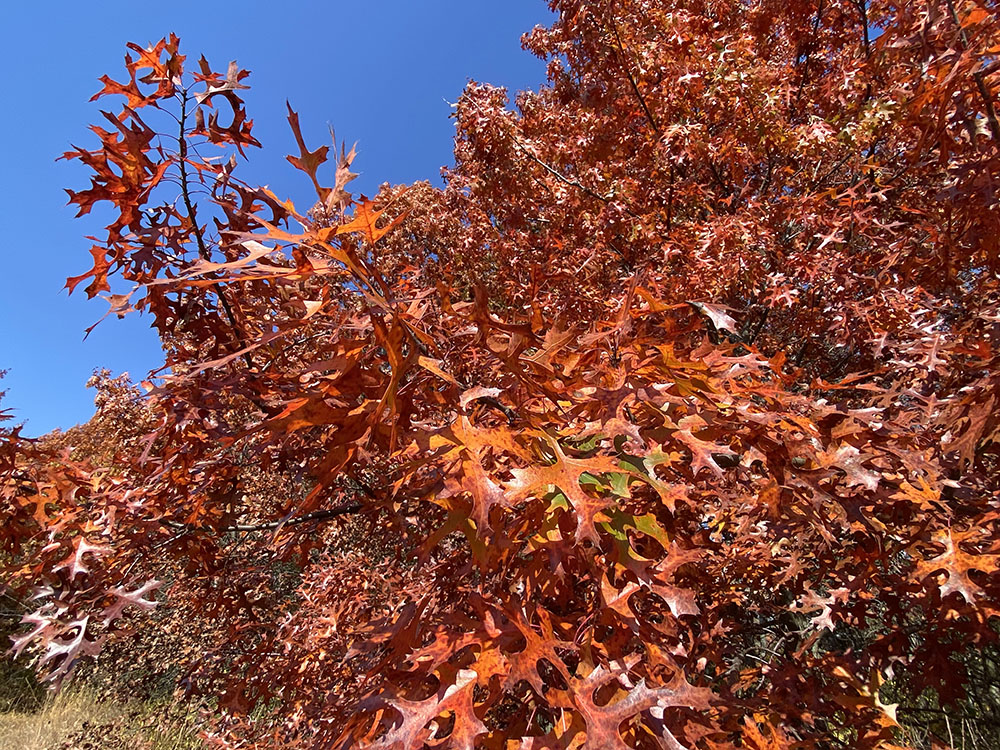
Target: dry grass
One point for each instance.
(76, 719)
(50, 726)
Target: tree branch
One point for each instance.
(984, 91)
(317, 515)
(810, 46)
(512, 416)
(552, 170)
(196, 229)
(559, 175)
(628, 71)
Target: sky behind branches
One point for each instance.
(381, 73)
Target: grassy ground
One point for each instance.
(84, 716)
(51, 724)
(76, 719)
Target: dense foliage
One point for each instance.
(670, 421)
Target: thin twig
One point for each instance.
(628, 72)
(196, 229)
(558, 175)
(984, 92)
(317, 515)
(550, 169)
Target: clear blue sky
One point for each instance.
(378, 71)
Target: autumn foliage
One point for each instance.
(671, 421)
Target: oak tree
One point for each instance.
(670, 421)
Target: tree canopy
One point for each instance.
(670, 421)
